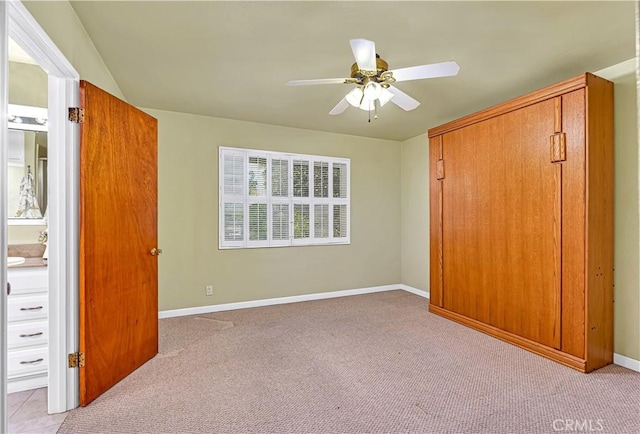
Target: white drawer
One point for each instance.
(28, 280)
(27, 334)
(24, 362)
(21, 308)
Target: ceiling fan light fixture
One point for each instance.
(368, 105)
(355, 96)
(372, 90)
(385, 97)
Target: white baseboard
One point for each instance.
(415, 291)
(281, 300)
(626, 362)
(27, 382)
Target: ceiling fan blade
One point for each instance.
(340, 107)
(403, 100)
(443, 69)
(319, 81)
(365, 53)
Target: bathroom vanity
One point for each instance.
(27, 331)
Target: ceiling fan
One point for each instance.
(373, 80)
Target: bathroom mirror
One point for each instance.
(27, 160)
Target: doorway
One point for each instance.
(62, 215)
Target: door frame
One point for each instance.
(63, 209)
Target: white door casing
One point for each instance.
(4, 43)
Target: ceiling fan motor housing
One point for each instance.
(378, 76)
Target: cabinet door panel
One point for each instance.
(500, 230)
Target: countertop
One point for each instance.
(31, 252)
(30, 263)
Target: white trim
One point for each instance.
(273, 301)
(63, 190)
(4, 63)
(626, 362)
(618, 70)
(416, 291)
(26, 383)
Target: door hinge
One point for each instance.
(76, 360)
(440, 169)
(76, 115)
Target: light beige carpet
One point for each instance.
(376, 363)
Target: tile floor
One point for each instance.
(27, 413)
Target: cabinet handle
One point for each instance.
(30, 362)
(31, 335)
(31, 308)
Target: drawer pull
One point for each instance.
(31, 362)
(31, 335)
(31, 308)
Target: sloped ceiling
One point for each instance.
(232, 59)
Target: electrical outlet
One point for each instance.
(208, 290)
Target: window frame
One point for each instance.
(270, 200)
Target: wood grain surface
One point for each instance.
(118, 228)
(498, 222)
(599, 297)
(435, 222)
(522, 221)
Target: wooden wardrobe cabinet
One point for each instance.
(521, 211)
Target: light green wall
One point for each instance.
(188, 216)
(626, 220)
(60, 22)
(414, 222)
(27, 85)
(24, 234)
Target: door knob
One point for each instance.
(156, 252)
(8, 288)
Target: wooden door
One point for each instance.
(118, 229)
(500, 230)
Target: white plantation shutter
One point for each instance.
(301, 222)
(257, 199)
(341, 201)
(233, 174)
(279, 177)
(320, 179)
(281, 221)
(340, 221)
(281, 215)
(270, 199)
(233, 221)
(232, 211)
(300, 178)
(340, 186)
(321, 221)
(258, 222)
(257, 176)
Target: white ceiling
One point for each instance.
(232, 59)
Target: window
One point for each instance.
(271, 199)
